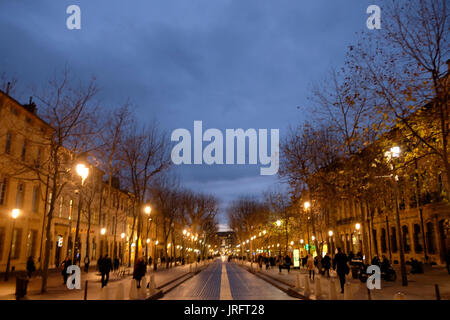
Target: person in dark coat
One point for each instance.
(326, 264)
(139, 271)
(65, 264)
(150, 261)
(287, 262)
(105, 268)
(86, 263)
(30, 266)
(341, 267)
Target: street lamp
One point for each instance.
(103, 231)
(394, 152)
(278, 223)
(357, 226)
(14, 214)
(330, 233)
(122, 235)
(83, 172)
(307, 205)
(147, 211)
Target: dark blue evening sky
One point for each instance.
(232, 64)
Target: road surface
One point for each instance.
(226, 281)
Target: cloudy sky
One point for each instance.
(230, 63)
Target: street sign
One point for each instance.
(296, 258)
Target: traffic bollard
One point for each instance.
(119, 292)
(105, 293)
(399, 296)
(307, 290)
(348, 294)
(152, 284)
(317, 288)
(332, 290)
(85, 289)
(436, 290)
(133, 290)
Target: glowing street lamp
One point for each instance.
(147, 209)
(278, 223)
(148, 240)
(357, 226)
(395, 152)
(103, 231)
(301, 241)
(83, 172)
(14, 214)
(122, 235)
(184, 232)
(330, 233)
(307, 205)
(313, 238)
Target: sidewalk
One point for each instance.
(420, 286)
(56, 290)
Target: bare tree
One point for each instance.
(145, 154)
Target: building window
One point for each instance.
(16, 243)
(3, 185)
(20, 195)
(61, 203)
(35, 200)
(393, 239)
(37, 162)
(8, 143)
(24, 151)
(383, 240)
(405, 236)
(418, 243)
(375, 242)
(14, 111)
(31, 243)
(70, 208)
(431, 245)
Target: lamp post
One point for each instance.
(14, 214)
(103, 233)
(122, 236)
(147, 210)
(330, 233)
(394, 152)
(83, 172)
(307, 206)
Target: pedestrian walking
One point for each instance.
(310, 266)
(30, 266)
(341, 267)
(287, 262)
(86, 263)
(326, 264)
(65, 264)
(139, 271)
(105, 268)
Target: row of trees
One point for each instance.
(392, 91)
(111, 140)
